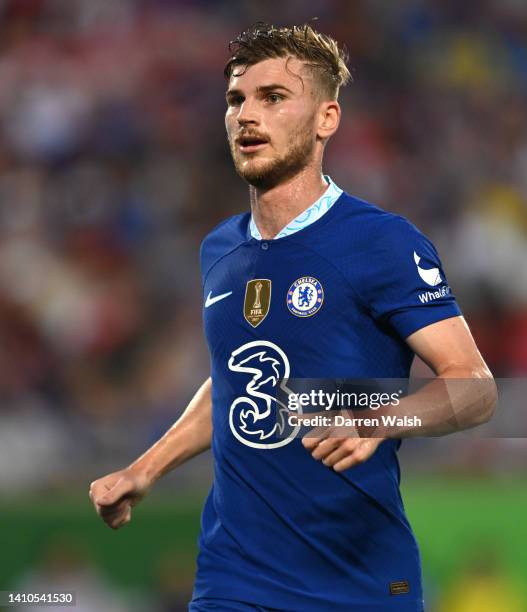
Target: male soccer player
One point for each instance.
(311, 283)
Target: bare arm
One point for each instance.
(443, 406)
(115, 494)
(464, 393)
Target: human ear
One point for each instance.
(328, 119)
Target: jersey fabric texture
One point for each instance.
(335, 299)
(205, 604)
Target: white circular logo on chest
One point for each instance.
(305, 297)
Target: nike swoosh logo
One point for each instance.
(212, 300)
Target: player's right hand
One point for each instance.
(114, 496)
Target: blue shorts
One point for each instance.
(206, 604)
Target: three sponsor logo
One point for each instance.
(259, 418)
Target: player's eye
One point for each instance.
(235, 100)
(274, 98)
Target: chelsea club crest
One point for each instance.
(305, 297)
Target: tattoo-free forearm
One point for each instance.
(456, 400)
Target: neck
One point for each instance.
(274, 208)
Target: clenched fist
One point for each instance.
(114, 496)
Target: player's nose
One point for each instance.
(248, 113)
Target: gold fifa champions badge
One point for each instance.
(257, 300)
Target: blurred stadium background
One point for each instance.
(114, 165)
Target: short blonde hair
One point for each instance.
(320, 52)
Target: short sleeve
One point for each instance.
(403, 282)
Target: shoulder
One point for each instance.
(394, 269)
(371, 245)
(362, 231)
(369, 220)
(223, 239)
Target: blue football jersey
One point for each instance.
(335, 299)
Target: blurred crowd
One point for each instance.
(114, 165)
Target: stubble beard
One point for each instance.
(279, 169)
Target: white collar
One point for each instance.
(308, 216)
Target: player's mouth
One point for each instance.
(251, 144)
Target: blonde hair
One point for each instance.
(320, 52)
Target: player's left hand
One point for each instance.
(341, 453)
